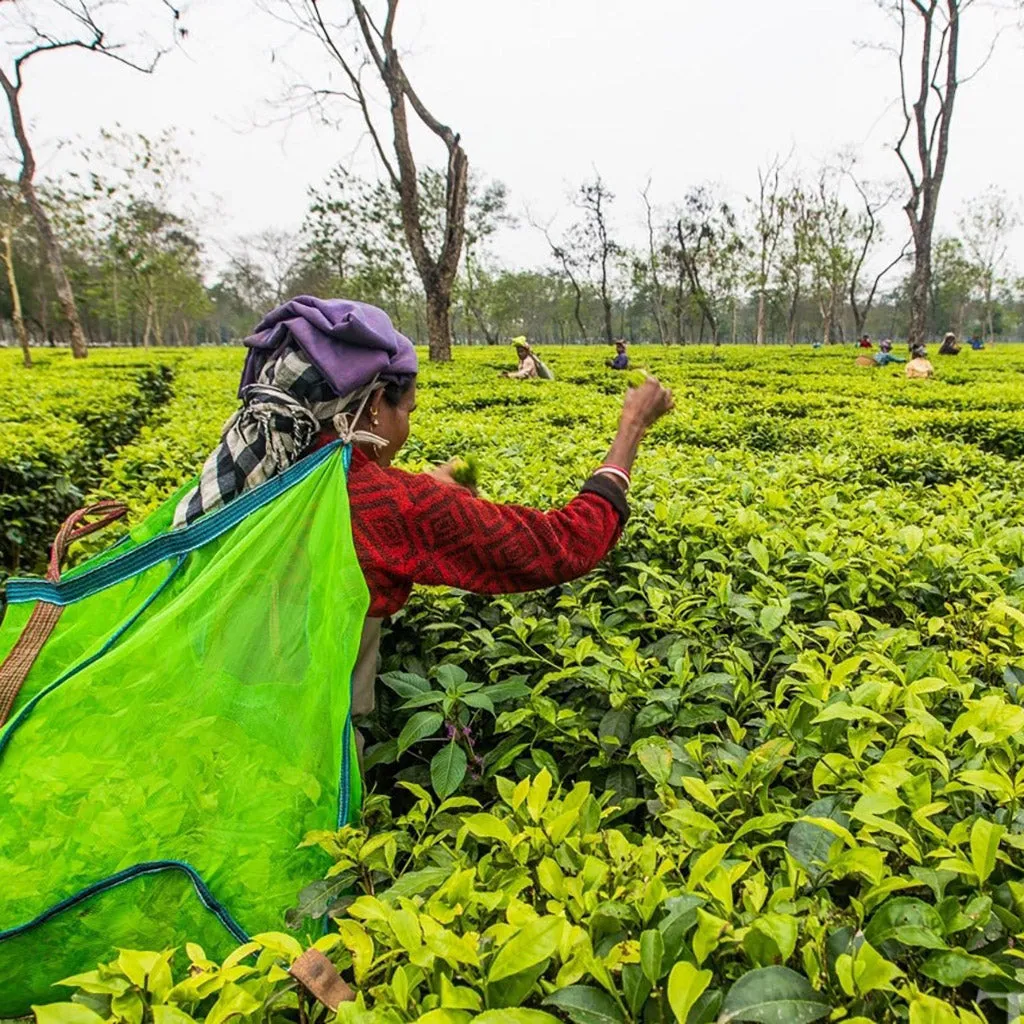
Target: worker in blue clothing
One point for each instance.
(621, 360)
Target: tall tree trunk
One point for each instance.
(920, 288)
(66, 297)
(578, 313)
(12, 284)
(117, 307)
(490, 336)
(791, 324)
(859, 319)
(761, 304)
(659, 301)
(930, 137)
(148, 329)
(439, 327)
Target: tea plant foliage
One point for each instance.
(765, 764)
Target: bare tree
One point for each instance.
(769, 216)
(486, 212)
(276, 252)
(706, 247)
(567, 260)
(832, 253)
(927, 52)
(954, 280)
(594, 240)
(12, 220)
(986, 225)
(795, 258)
(864, 287)
(46, 28)
(355, 44)
(658, 294)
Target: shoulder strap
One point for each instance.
(18, 663)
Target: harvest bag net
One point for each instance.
(184, 725)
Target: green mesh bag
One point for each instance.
(185, 724)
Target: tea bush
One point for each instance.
(765, 764)
(58, 421)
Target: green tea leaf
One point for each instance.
(655, 758)
(169, 1014)
(583, 1004)
(773, 995)
(534, 942)
(652, 950)
(985, 837)
(953, 967)
(908, 921)
(488, 826)
(686, 984)
(511, 1015)
(66, 1013)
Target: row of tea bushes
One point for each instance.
(58, 422)
(765, 764)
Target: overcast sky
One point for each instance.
(543, 91)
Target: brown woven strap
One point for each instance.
(321, 979)
(75, 527)
(17, 665)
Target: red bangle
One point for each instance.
(611, 465)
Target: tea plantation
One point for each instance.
(766, 764)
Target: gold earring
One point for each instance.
(373, 419)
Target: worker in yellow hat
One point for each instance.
(528, 364)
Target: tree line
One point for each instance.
(805, 258)
(109, 255)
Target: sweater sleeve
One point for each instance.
(410, 528)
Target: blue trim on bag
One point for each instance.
(145, 868)
(345, 775)
(345, 779)
(168, 545)
(5, 739)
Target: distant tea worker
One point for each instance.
(919, 367)
(621, 358)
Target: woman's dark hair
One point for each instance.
(396, 390)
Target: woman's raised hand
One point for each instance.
(646, 404)
(445, 474)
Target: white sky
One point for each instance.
(685, 91)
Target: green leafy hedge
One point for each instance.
(58, 421)
(765, 764)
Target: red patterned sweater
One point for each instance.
(411, 528)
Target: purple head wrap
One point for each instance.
(350, 343)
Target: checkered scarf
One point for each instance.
(281, 416)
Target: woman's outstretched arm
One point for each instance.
(421, 528)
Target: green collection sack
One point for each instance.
(542, 370)
(185, 724)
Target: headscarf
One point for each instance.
(313, 364)
(886, 345)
